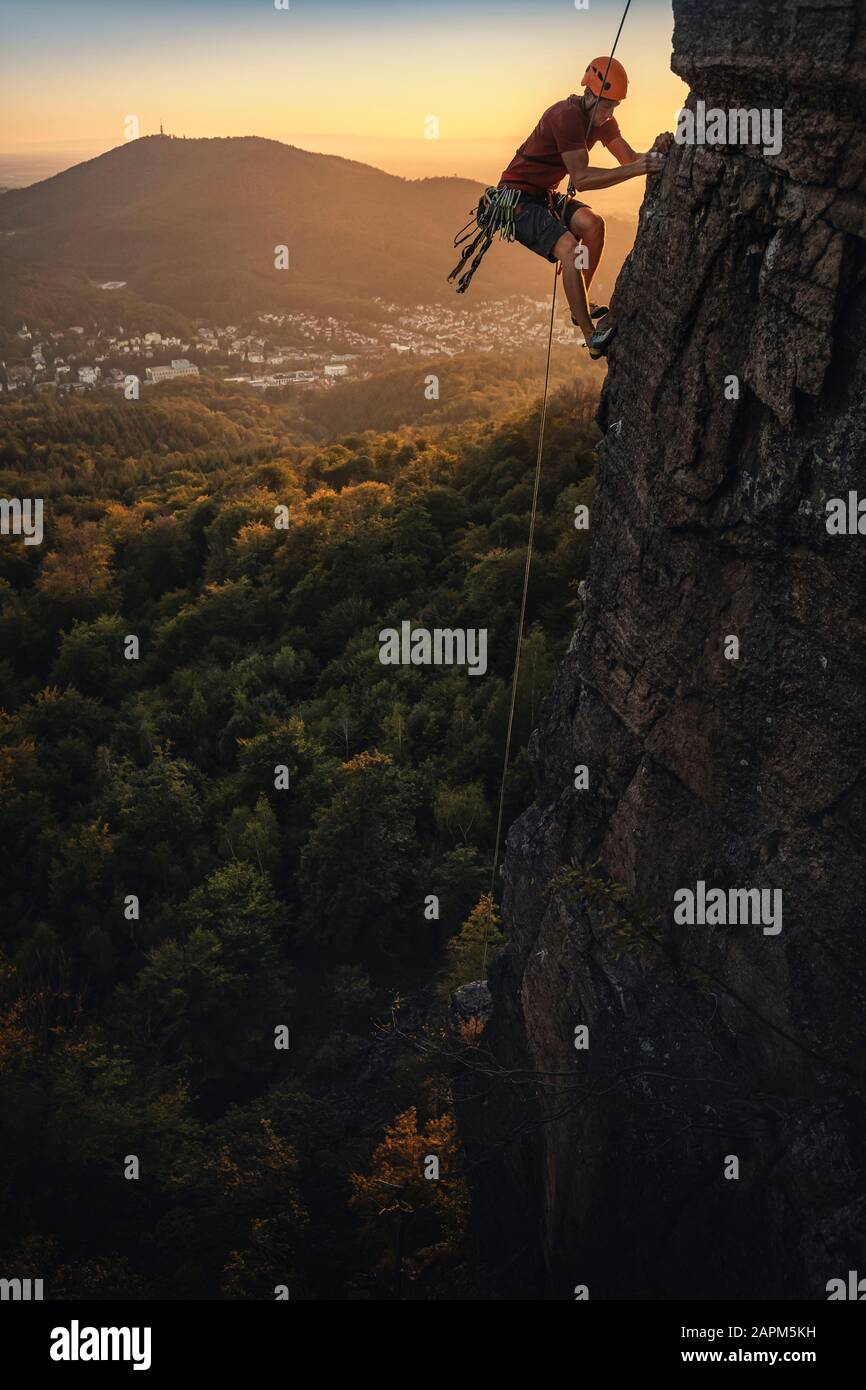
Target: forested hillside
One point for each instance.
(470, 386)
(237, 829)
(45, 296)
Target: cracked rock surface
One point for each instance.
(708, 522)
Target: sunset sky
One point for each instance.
(341, 76)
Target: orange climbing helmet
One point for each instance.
(615, 82)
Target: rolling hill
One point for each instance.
(193, 224)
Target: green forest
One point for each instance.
(224, 819)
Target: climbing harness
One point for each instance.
(531, 538)
(495, 213)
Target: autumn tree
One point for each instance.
(76, 576)
(413, 1202)
(248, 1222)
(471, 951)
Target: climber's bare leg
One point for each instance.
(586, 226)
(573, 283)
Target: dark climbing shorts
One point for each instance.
(538, 228)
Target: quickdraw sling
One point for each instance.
(495, 213)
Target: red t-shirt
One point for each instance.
(562, 127)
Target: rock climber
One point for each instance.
(554, 224)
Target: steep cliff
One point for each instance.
(606, 1165)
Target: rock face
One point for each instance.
(606, 1165)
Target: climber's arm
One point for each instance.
(622, 150)
(624, 154)
(585, 178)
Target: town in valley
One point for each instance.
(272, 350)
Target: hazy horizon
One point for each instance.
(468, 158)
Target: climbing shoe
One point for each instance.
(600, 342)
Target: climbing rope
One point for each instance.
(532, 517)
(526, 569)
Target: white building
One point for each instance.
(180, 367)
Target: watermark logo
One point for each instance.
(22, 517)
(439, 646)
(855, 1288)
(735, 907)
(76, 1343)
(735, 127)
(846, 516)
(21, 1290)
